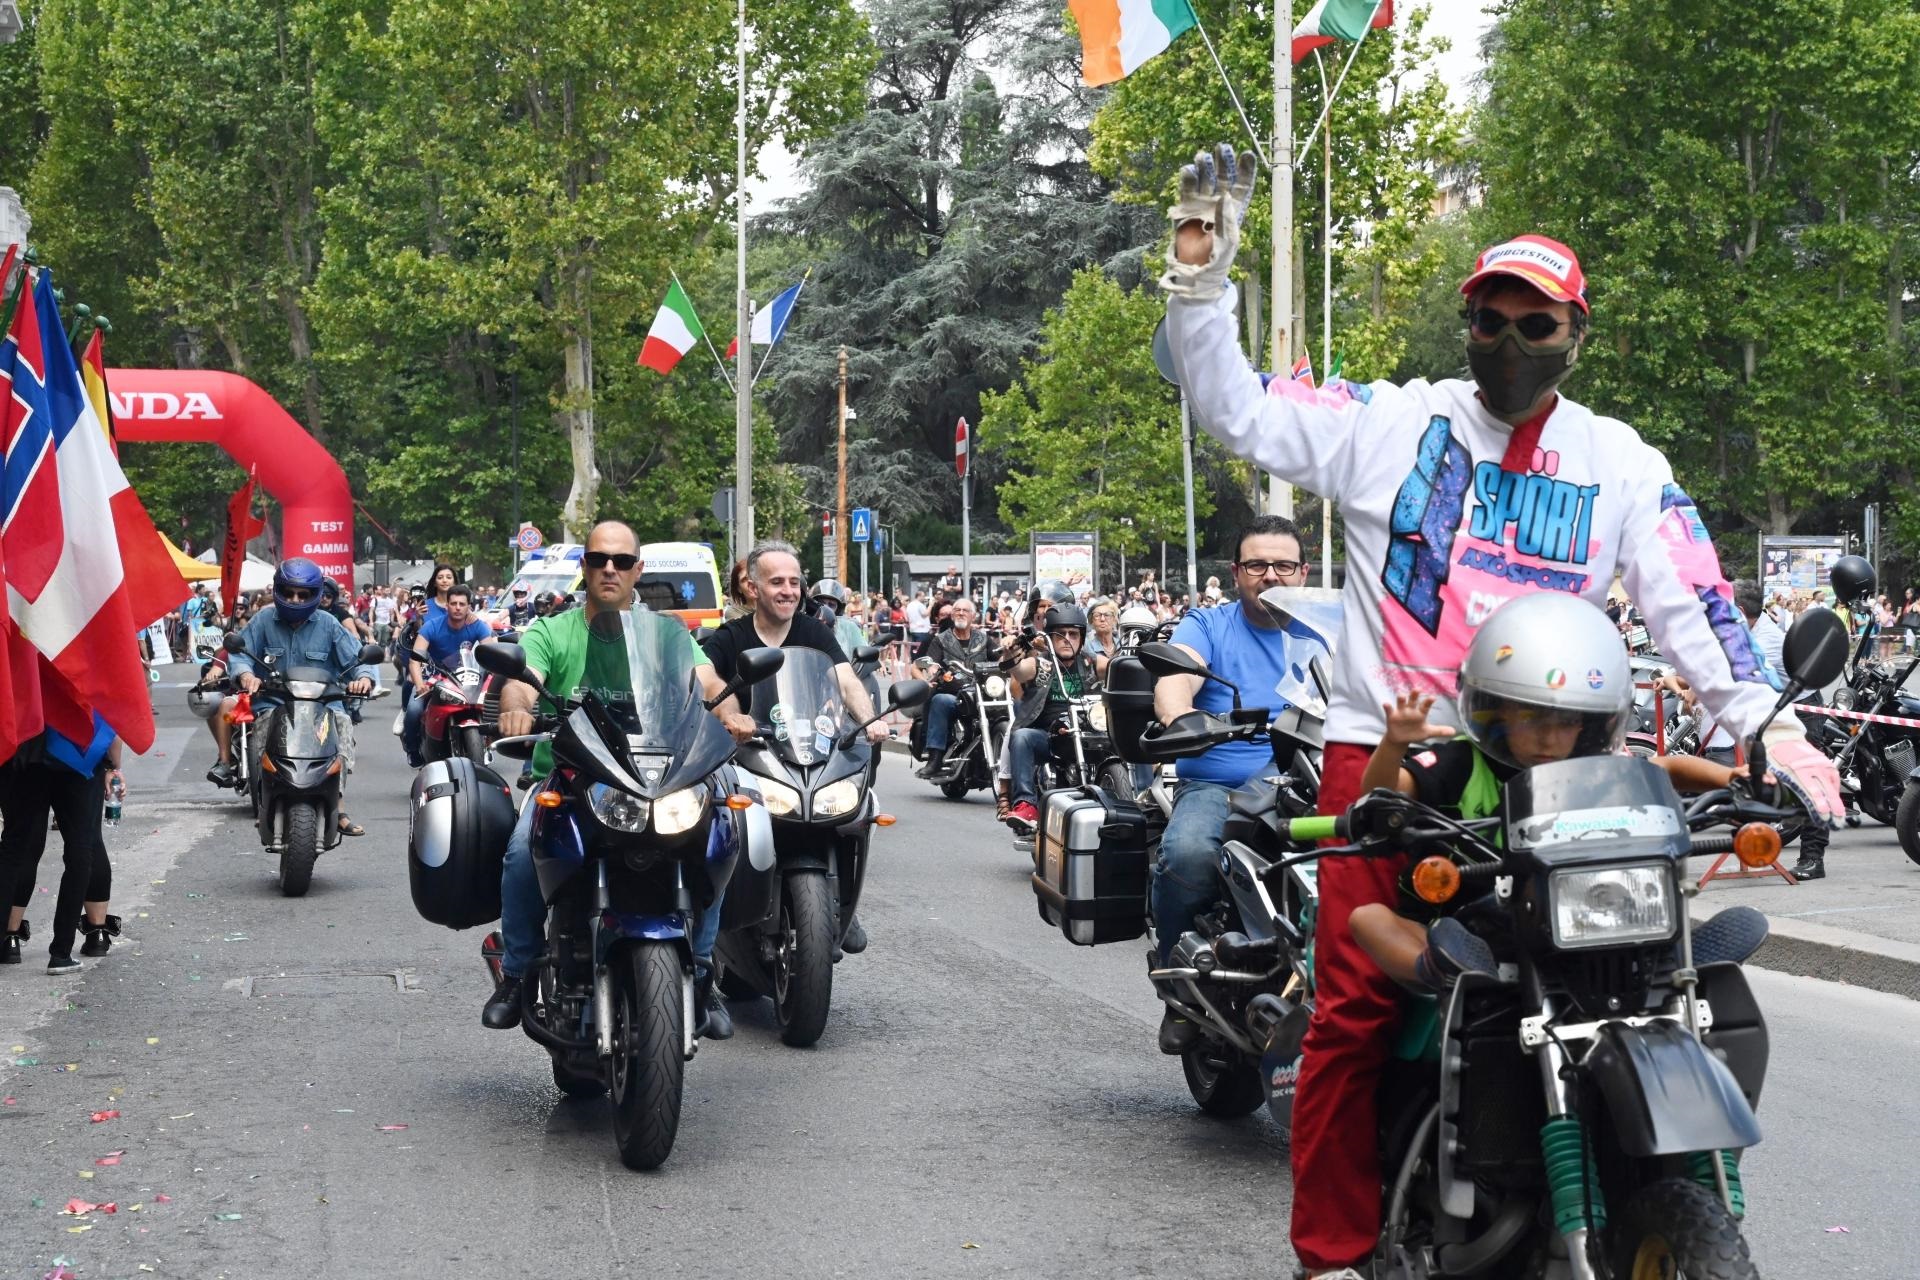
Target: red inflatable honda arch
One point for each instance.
(199, 404)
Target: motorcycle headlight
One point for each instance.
(843, 797)
(617, 809)
(1097, 716)
(996, 686)
(306, 688)
(677, 811)
(1611, 906)
(780, 799)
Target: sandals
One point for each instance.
(348, 827)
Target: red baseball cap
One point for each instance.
(1547, 265)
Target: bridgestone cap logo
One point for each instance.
(1559, 264)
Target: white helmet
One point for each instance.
(1555, 661)
(1137, 617)
(204, 702)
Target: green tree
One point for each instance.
(1091, 435)
(1738, 181)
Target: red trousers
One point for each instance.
(1336, 1169)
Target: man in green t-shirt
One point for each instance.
(564, 651)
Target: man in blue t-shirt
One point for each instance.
(440, 638)
(1245, 642)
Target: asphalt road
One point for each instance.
(987, 1098)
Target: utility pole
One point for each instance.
(840, 512)
(743, 320)
(1280, 493)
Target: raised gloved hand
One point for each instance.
(1804, 769)
(1215, 191)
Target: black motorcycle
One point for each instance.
(296, 788)
(979, 731)
(785, 916)
(636, 834)
(1576, 1103)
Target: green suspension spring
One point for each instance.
(1574, 1181)
(1701, 1170)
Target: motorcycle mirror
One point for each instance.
(909, 693)
(372, 655)
(1162, 660)
(1815, 650)
(508, 661)
(232, 643)
(755, 665)
(866, 653)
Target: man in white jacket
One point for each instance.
(1456, 496)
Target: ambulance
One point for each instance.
(680, 578)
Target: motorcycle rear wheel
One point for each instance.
(1221, 1081)
(1906, 822)
(803, 960)
(1679, 1228)
(303, 847)
(649, 1061)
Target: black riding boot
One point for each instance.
(1813, 855)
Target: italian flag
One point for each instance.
(1331, 20)
(673, 334)
(1116, 36)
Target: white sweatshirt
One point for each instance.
(1439, 534)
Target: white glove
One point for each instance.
(1215, 191)
(1804, 769)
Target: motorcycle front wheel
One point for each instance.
(473, 745)
(1906, 821)
(803, 958)
(649, 1061)
(956, 789)
(1679, 1228)
(303, 846)
(1221, 1081)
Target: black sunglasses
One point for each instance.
(622, 561)
(295, 595)
(1535, 326)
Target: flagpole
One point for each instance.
(1280, 493)
(1253, 135)
(1326, 107)
(1326, 301)
(704, 336)
(743, 383)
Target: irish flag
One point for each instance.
(673, 334)
(1331, 20)
(1116, 36)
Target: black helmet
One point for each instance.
(1064, 617)
(1851, 579)
(297, 574)
(329, 591)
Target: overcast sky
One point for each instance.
(1461, 21)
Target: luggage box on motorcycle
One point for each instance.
(459, 821)
(1090, 855)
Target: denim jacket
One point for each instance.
(320, 641)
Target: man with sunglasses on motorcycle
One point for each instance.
(1456, 496)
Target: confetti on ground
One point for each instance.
(1838, 1231)
(19, 1048)
(236, 937)
(135, 1208)
(9, 1101)
(187, 1116)
(101, 1117)
(226, 1217)
(153, 1039)
(390, 1128)
(969, 1245)
(163, 1199)
(86, 1173)
(111, 1158)
(26, 1062)
(79, 1208)
(60, 1271)
(109, 1207)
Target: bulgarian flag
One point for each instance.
(673, 334)
(1331, 20)
(1116, 36)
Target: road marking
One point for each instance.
(1833, 911)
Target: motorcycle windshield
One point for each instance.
(799, 708)
(673, 739)
(303, 730)
(1318, 612)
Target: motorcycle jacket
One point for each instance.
(1449, 512)
(950, 650)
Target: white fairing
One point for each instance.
(756, 824)
(432, 819)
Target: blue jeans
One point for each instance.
(1025, 751)
(523, 912)
(940, 714)
(1186, 880)
(413, 730)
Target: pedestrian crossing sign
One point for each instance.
(862, 521)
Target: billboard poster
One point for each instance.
(1067, 557)
(1797, 566)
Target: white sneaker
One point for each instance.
(1344, 1273)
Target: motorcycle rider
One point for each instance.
(520, 612)
(774, 582)
(294, 633)
(564, 654)
(1045, 705)
(441, 638)
(1246, 643)
(958, 646)
(1463, 493)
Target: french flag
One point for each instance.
(770, 322)
(66, 587)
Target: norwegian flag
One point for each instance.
(962, 445)
(1303, 370)
(21, 718)
(66, 587)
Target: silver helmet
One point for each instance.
(204, 702)
(1549, 662)
(829, 590)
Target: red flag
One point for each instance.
(962, 445)
(242, 524)
(154, 585)
(20, 715)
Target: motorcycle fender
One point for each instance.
(617, 927)
(559, 854)
(305, 775)
(1667, 1094)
